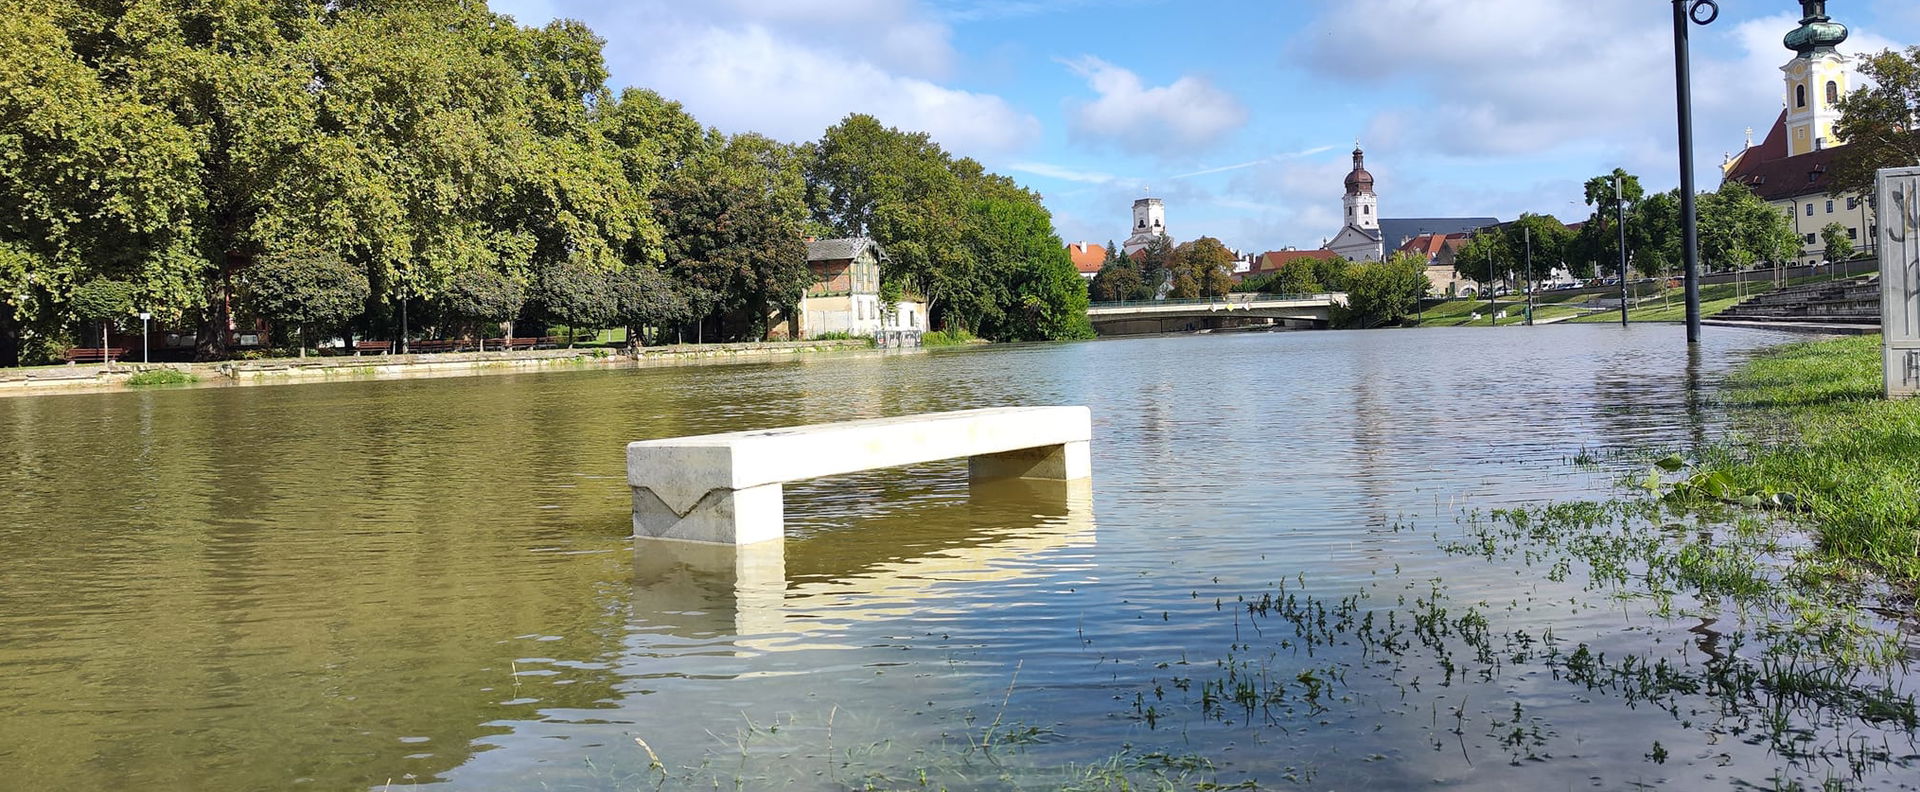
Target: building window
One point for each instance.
(1833, 93)
(1852, 203)
(1809, 210)
(1809, 239)
(1366, 210)
(1349, 211)
(1829, 206)
(1851, 233)
(1799, 96)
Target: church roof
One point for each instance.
(1359, 181)
(1774, 176)
(1817, 32)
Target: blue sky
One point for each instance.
(1240, 114)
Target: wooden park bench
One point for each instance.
(512, 343)
(94, 354)
(726, 488)
(372, 347)
(428, 347)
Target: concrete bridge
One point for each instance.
(1234, 311)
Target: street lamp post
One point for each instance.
(1699, 12)
(1526, 232)
(1492, 310)
(1620, 225)
(144, 346)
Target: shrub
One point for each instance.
(955, 337)
(160, 376)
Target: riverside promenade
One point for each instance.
(93, 377)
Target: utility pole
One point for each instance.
(1620, 225)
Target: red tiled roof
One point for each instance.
(1428, 245)
(1087, 258)
(1273, 260)
(1773, 175)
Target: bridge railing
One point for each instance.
(1245, 298)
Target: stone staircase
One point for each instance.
(1848, 303)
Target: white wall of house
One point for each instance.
(858, 314)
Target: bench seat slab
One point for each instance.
(725, 488)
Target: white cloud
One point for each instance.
(791, 68)
(1551, 75)
(1167, 121)
(1061, 173)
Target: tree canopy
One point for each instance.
(175, 146)
(1880, 120)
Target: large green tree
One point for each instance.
(1739, 230)
(481, 297)
(305, 290)
(1383, 292)
(733, 215)
(1201, 268)
(1118, 278)
(1880, 120)
(1486, 258)
(964, 239)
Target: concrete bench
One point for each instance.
(726, 488)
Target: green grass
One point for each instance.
(160, 376)
(1822, 433)
(841, 335)
(954, 337)
(1458, 313)
(1714, 298)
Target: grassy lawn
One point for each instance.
(1714, 298)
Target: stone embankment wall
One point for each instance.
(96, 377)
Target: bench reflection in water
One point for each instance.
(879, 567)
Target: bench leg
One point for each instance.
(1064, 462)
(721, 516)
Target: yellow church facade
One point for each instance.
(1791, 167)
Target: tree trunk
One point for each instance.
(211, 344)
(303, 342)
(9, 337)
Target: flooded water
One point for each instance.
(362, 584)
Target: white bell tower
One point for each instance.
(1149, 221)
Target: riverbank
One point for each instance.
(1568, 306)
(1820, 444)
(96, 378)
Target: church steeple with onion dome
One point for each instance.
(1816, 79)
(1363, 206)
